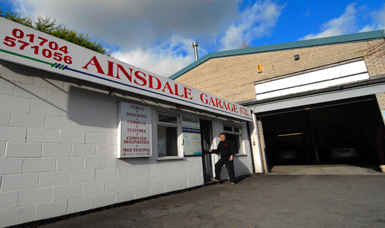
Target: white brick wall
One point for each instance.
(31, 91)
(43, 107)
(17, 104)
(82, 176)
(125, 195)
(93, 188)
(5, 117)
(105, 174)
(35, 196)
(42, 135)
(2, 149)
(95, 162)
(8, 200)
(80, 204)
(21, 119)
(56, 178)
(23, 150)
(10, 166)
(58, 151)
(12, 134)
(72, 136)
(104, 200)
(81, 150)
(17, 216)
(70, 163)
(51, 210)
(38, 165)
(66, 192)
(6, 87)
(61, 123)
(19, 182)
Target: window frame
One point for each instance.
(177, 126)
(241, 150)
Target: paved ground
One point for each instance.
(323, 170)
(270, 200)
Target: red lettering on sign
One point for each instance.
(168, 87)
(120, 68)
(177, 92)
(111, 70)
(141, 78)
(151, 82)
(187, 93)
(219, 103)
(212, 103)
(94, 61)
(204, 100)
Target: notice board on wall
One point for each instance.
(191, 141)
(134, 131)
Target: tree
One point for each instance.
(47, 25)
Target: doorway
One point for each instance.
(343, 132)
(206, 140)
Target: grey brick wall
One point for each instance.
(233, 78)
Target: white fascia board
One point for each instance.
(300, 82)
(315, 86)
(318, 98)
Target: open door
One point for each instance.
(206, 140)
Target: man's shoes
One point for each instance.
(213, 179)
(232, 183)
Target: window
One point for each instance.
(167, 119)
(235, 135)
(167, 135)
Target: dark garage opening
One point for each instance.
(343, 132)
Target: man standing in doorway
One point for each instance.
(226, 148)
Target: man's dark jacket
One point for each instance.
(226, 148)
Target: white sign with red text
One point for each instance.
(134, 137)
(26, 46)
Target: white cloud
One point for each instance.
(255, 22)
(157, 35)
(133, 24)
(163, 59)
(154, 35)
(378, 17)
(338, 26)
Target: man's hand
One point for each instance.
(210, 151)
(231, 158)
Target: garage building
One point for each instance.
(318, 101)
(80, 130)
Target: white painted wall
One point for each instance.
(242, 163)
(58, 150)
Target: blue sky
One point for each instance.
(157, 35)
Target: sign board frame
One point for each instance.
(134, 131)
(191, 142)
(23, 45)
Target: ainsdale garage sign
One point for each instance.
(26, 46)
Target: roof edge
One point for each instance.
(349, 38)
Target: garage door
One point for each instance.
(343, 132)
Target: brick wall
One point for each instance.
(58, 150)
(233, 77)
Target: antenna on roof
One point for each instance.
(195, 45)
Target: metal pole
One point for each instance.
(195, 45)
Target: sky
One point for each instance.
(157, 35)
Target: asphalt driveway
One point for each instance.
(270, 200)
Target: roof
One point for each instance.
(356, 37)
